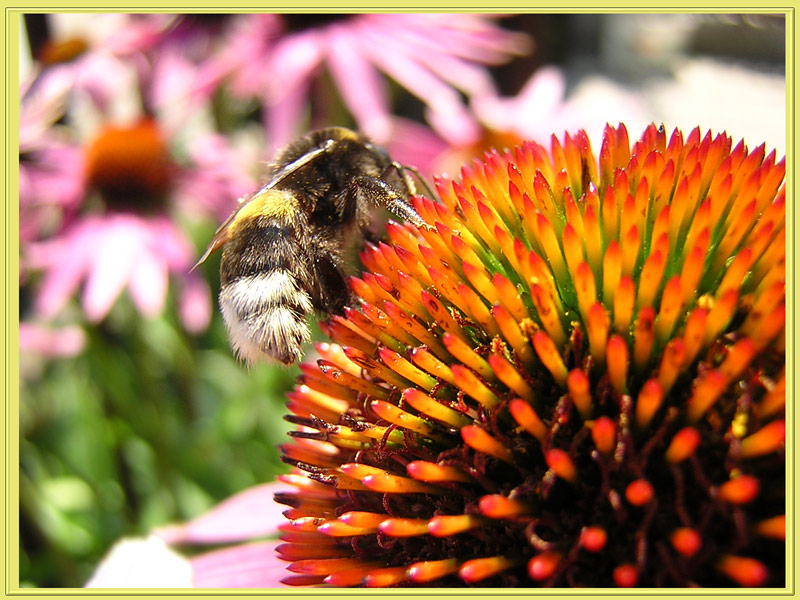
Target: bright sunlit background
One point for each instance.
(138, 134)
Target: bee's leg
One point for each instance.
(331, 293)
(404, 170)
(381, 193)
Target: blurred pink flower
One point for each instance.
(108, 252)
(47, 186)
(543, 106)
(199, 54)
(241, 519)
(132, 242)
(540, 107)
(96, 54)
(49, 192)
(217, 175)
(433, 56)
(53, 342)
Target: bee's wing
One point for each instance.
(221, 235)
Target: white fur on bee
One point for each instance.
(263, 312)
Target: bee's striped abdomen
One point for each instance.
(263, 304)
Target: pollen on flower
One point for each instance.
(574, 376)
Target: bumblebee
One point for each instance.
(284, 247)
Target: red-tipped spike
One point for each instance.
(648, 402)
(617, 361)
(380, 578)
(604, 434)
(597, 327)
(510, 376)
(548, 354)
(623, 299)
(626, 575)
(478, 439)
(397, 527)
(774, 527)
(561, 464)
(447, 525)
(612, 271)
(542, 566)
(431, 570)
(644, 337)
(497, 506)
(639, 492)
(705, 394)
(593, 538)
(526, 417)
(671, 363)
(435, 409)
(468, 382)
(578, 387)
(479, 569)
(584, 288)
(686, 541)
(768, 439)
(433, 473)
(747, 572)
(683, 445)
(741, 490)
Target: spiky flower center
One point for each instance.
(63, 51)
(130, 167)
(574, 376)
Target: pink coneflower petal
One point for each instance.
(293, 60)
(194, 306)
(60, 283)
(52, 176)
(138, 33)
(142, 563)
(415, 77)
(248, 36)
(117, 247)
(362, 88)
(47, 341)
(543, 94)
(174, 80)
(166, 240)
(454, 123)
(442, 58)
(217, 178)
(247, 515)
(284, 117)
(42, 103)
(473, 37)
(148, 284)
(249, 566)
(414, 144)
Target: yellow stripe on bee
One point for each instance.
(281, 205)
(346, 134)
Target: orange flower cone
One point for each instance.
(574, 376)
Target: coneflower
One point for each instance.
(575, 376)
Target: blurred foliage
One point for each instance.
(147, 426)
